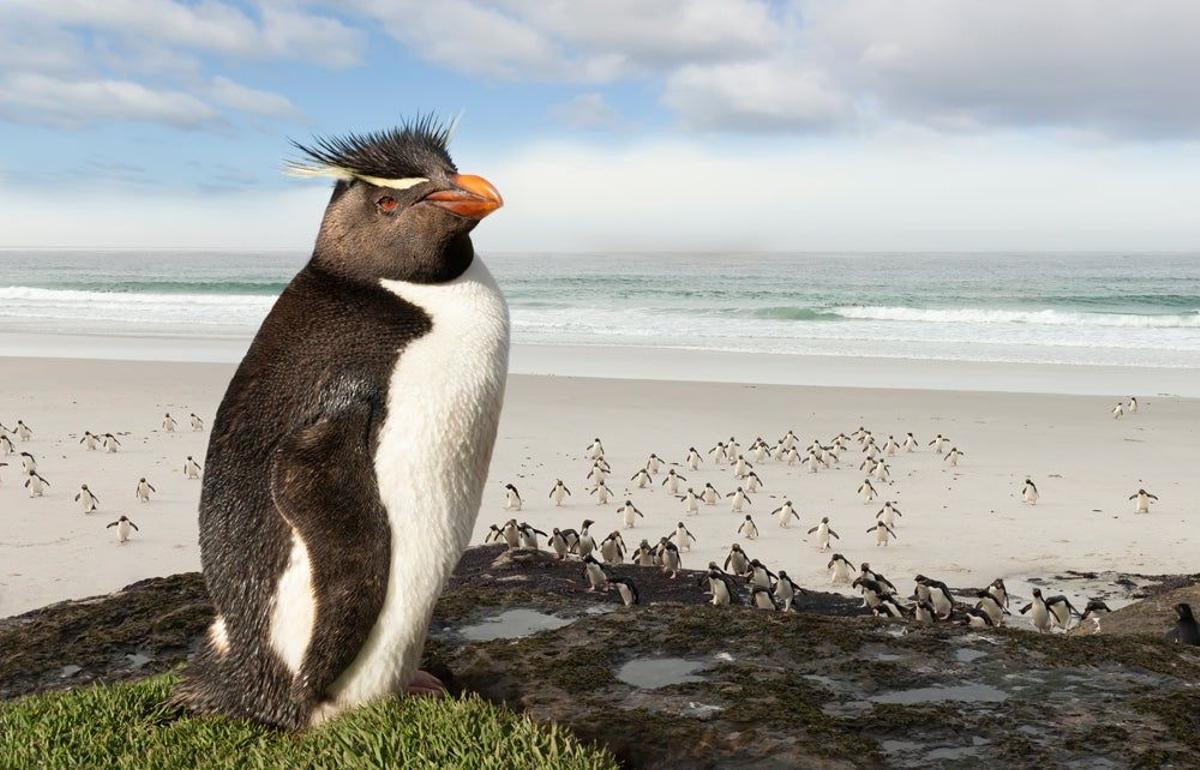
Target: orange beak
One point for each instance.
(473, 197)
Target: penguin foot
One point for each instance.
(425, 683)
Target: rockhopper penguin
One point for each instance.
(347, 460)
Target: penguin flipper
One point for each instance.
(323, 484)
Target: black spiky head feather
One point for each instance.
(418, 148)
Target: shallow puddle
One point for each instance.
(653, 673)
(967, 693)
(512, 624)
(966, 654)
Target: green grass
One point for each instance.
(130, 727)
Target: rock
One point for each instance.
(827, 687)
(1152, 616)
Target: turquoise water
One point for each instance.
(1118, 309)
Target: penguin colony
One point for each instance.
(742, 579)
(14, 442)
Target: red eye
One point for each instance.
(387, 204)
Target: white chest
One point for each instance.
(431, 462)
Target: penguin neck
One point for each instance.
(415, 262)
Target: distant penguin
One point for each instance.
(693, 459)
(890, 447)
(529, 536)
(512, 498)
(753, 482)
(671, 481)
(718, 452)
(910, 442)
(191, 468)
(722, 587)
(683, 538)
(737, 562)
(792, 456)
(888, 513)
(1095, 610)
(629, 514)
(585, 542)
(653, 463)
(1186, 630)
(597, 474)
(1047, 612)
(824, 532)
(867, 491)
(494, 535)
(760, 575)
(111, 443)
(976, 617)
(88, 501)
(1133, 405)
(559, 492)
(840, 569)
(952, 456)
(1143, 499)
(747, 528)
(3, 465)
(762, 599)
(90, 441)
(626, 589)
(872, 593)
(738, 500)
(511, 532)
(612, 548)
(641, 478)
(6, 445)
(811, 461)
(28, 462)
(168, 423)
(595, 450)
(597, 577)
(602, 492)
(741, 468)
(558, 544)
(24, 432)
(35, 484)
(883, 471)
(1029, 492)
(885, 586)
(671, 561)
(785, 513)
(1000, 591)
(923, 612)
(123, 525)
(883, 533)
(989, 604)
(1118, 411)
(939, 443)
(197, 423)
(709, 494)
(644, 555)
(936, 593)
(786, 590)
(691, 502)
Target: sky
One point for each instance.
(625, 125)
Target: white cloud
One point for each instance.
(208, 25)
(251, 100)
(1121, 68)
(47, 100)
(582, 40)
(590, 110)
(755, 96)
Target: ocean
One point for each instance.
(1111, 309)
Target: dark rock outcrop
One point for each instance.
(677, 683)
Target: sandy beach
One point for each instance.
(965, 525)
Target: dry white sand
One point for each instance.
(965, 526)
